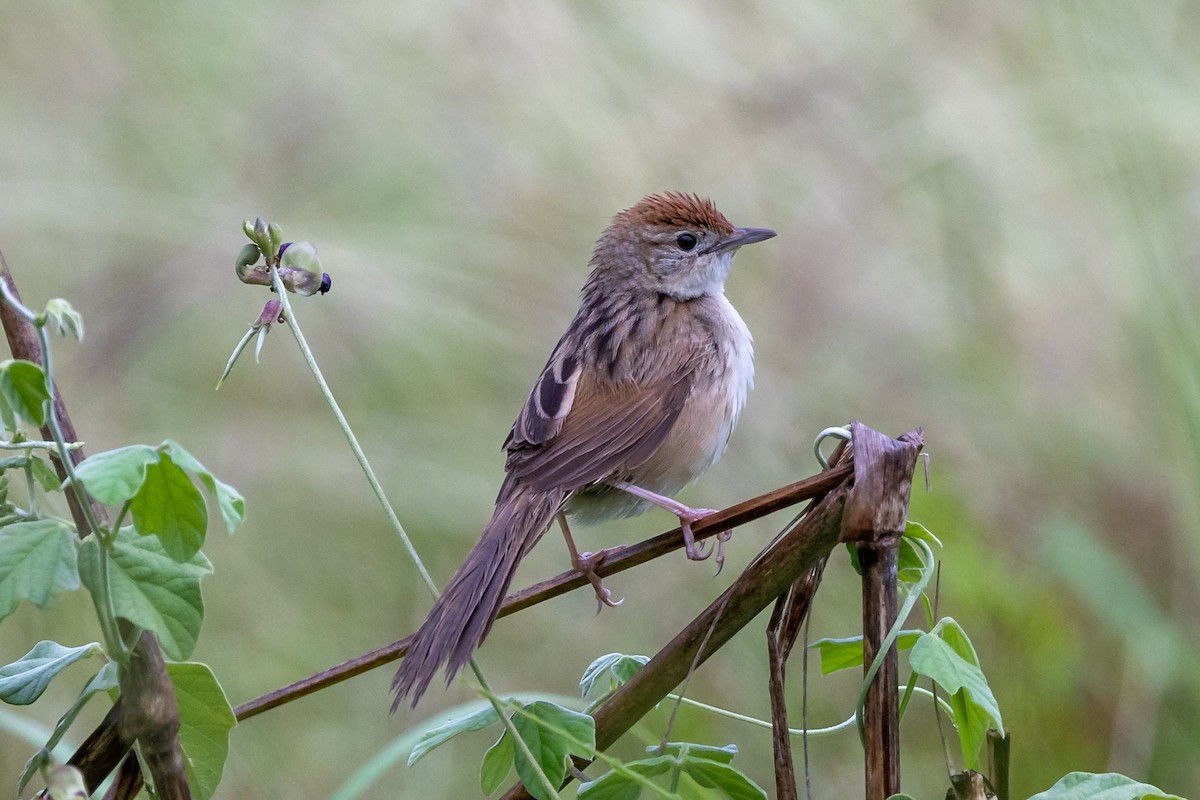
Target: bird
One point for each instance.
(638, 398)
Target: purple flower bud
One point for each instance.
(270, 313)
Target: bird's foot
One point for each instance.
(688, 516)
(586, 564)
(698, 551)
(722, 538)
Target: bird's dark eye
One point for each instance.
(686, 241)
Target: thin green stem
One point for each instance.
(106, 612)
(116, 526)
(762, 723)
(28, 470)
(290, 319)
(29, 444)
(359, 455)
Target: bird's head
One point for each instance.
(673, 244)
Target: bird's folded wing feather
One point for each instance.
(578, 429)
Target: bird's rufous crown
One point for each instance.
(678, 210)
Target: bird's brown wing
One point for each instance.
(549, 401)
(598, 430)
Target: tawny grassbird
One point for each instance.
(639, 397)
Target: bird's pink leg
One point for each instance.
(586, 563)
(688, 516)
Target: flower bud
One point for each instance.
(300, 256)
(271, 312)
(247, 256)
(300, 268)
(275, 236)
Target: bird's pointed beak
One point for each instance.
(742, 236)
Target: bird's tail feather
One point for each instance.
(463, 615)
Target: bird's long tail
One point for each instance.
(463, 615)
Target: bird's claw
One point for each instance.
(722, 538)
(586, 564)
(604, 598)
(696, 551)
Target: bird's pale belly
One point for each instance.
(694, 443)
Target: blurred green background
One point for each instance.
(986, 218)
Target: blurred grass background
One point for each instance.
(987, 220)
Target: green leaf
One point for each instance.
(46, 477)
(915, 530)
(151, 589)
(975, 707)
(852, 551)
(910, 563)
(102, 681)
(595, 670)
(37, 563)
(728, 779)
(62, 316)
(497, 763)
(8, 417)
(23, 386)
(838, 654)
(953, 634)
(552, 734)
(972, 724)
(1105, 786)
(618, 666)
(24, 680)
(229, 501)
(13, 462)
(114, 476)
(614, 785)
(170, 507)
(450, 728)
(911, 559)
(933, 657)
(205, 720)
(626, 667)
